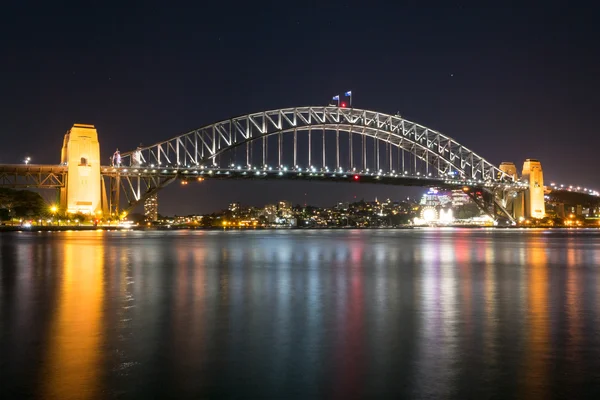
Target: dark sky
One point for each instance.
(509, 83)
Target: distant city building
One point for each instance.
(151, 208)
(459, 198)
(342, 205)
(285, 205)
(440, 198)
(285, 208)
(436, 198)
(233, 207)
(270, 213)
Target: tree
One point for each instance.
(79, 217)
(23, 203)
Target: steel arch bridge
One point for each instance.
(317, 142)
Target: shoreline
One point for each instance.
(146, 228)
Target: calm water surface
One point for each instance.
(300, 314)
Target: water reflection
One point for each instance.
(300, 314)
(535, 367)
(74, 357)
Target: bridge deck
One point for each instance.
(32, 176)
(191, 174)
(32, 168)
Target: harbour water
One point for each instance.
(423, 313)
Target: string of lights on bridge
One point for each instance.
(353, 174)
(571, 188)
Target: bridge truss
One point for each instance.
(307, 143)
(417, 147)
(20, 176)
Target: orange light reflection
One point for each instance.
(74, 357)
(536, 369)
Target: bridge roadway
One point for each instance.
(53, 176)
(137, 183)
(314, 174)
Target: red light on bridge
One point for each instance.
(343, 105)
(356, 177)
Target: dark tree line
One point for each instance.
(21, 203)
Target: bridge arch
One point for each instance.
(205, 145)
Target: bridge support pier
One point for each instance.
(115, 192)
(81, 154)
(534, 195)
(105, 203)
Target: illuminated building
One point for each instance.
(342, 206)
(270, 213)
(446, 216)
(534, 196)
(441, 207)
(285, 208)
(151, 208)
(233, 207)
(435, 215)
(81, 154)
(435, 197)
(459, 198)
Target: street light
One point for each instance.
(27, 160)
(53, 209)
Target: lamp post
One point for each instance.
(53, 209)
(27, 160)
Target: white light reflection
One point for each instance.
(439, 323)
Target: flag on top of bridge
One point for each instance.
(336, 97)
(348, 93)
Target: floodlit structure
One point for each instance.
(81, 156)
(510, 169)
(151, 208)
(534, 196)
(429, 214)
(446, 216)
(347, 144)
(314, 143)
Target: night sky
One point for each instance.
(509, 83)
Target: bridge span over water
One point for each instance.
(317, 143)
